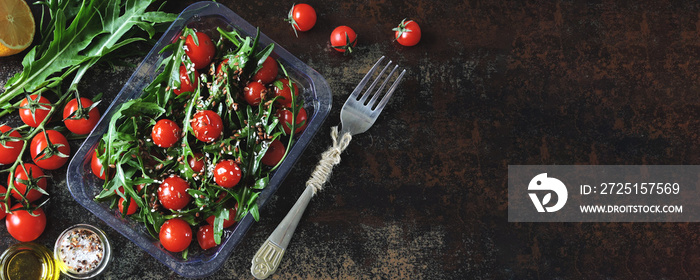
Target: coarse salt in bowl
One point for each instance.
(82, 251)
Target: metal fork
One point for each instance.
(356, 117)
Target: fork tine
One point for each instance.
(364, 81)
(379, 91)
(368, 92)
(386, 97)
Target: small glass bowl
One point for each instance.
(86, 230)
(28, 260)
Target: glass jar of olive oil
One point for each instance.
(28, 261)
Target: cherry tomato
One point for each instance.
(3, 191)
(165, 133)
(274, 153)
(205, 237)
(254, 93)
(302, 17)
(207, 125)
(219, 71)
(175, 235)
(196, 162)
(185, 84)
(58, 153)
(343, 39)
(268, 71)
(172, 193)
(85, 121)
(9, 148)
(132, 206)
(282, 89)
(227, 173)
(36, 179)
(407, 33)
(97, 167)
(154, 158)
(33, 113)
(23, 226)
(285, 116)
(228, 222)
(201, 54)
(120, 189)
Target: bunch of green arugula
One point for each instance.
(78, 35)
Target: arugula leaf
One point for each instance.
(219, 225)
(68, 9)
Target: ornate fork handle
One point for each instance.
(268, 257)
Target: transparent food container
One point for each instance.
(84, 186)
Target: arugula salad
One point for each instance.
(197, 147)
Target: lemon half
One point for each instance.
(16, 26)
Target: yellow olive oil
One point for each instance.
(24, 265)
(28, 261)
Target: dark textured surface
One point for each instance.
(422, 195)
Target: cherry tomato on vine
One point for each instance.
(282, 90)
(196, 162)
(302, 17)
(35, 111)
(50, 156)
(228, 222)
(165, 133)
(175, 235)
(207, 125)
(205, 237)
(227, 173)
(407, 33)
(97, 167)
(343, 39)
(201, 54)
(268, 71)
(82, 121)
(285, 116)
(37, 180)
(274, 153)
(3, 191)
(185, 84)
(132, 206)
(254, 93)
(24, 226)
(10, 144)
(172, 193)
